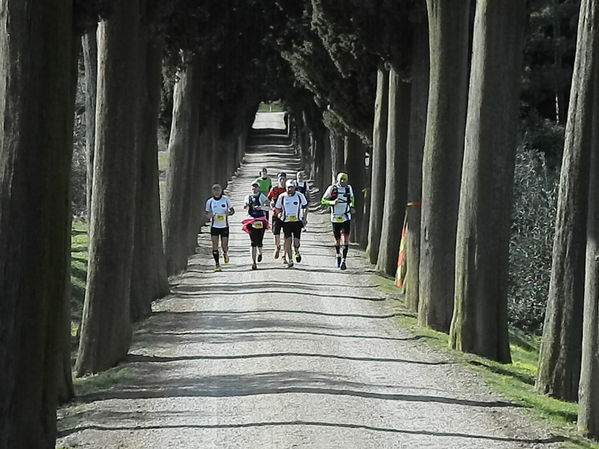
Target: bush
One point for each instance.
(535, 201)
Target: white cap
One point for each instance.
(290, 183)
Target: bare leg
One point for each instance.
(288, 247)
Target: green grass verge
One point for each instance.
(271, 107)
(78, 271)
(514, 381)
(162, 162)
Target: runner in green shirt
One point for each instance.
(264, 182)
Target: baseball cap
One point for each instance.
(255, 184)
(290, 183)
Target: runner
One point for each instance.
(218, 208)
(293, 209)
(341, 198)
(302, 185)
(256, 223)
(264, 182)
(277, 224)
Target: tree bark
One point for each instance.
(377, 162)
(355, 155)
(90, 62)
(420, 82)
(36, 120)
(149, 279)
(479, 323)
(337, 157)
(182, 142)
(588, 392)
(396, 173)
(449, 25)
(106, 326)
(559, 358)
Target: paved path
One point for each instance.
(308, 357)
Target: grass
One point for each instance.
(515, 381)
(271, 107)
(78, 272)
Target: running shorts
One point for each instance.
(277, 225)
(222, 232)
(293, 228)
(341, 229)
(257, 237)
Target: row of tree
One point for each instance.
(429, 90)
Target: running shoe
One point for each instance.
(277, 252)
(343, 266)
(218, 269)
(290, 264)
(254, 266)
(226, 258)
(338, 262)
(260, 257)
(298, 257)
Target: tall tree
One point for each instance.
(90, 62)
(36, 125)
(106, 327)
(149, 279)
(449, 30)
(377, 163)
(479, 323)
(396, 173)
(588, 396)
(420, 82)
(559, 359)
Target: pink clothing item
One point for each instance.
(248, 222)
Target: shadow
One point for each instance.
(247, 334)
(138, 358)
(554, 439)
(529, 380)
(208, 314)
(184, 290)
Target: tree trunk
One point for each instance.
(559, 358)
(355, 154)
(337, 157)
(588, 393)
(105, 325)
(377, 162)
(479, 323)
(420, 82)
(396, 173)
(182, 143)
(449, 27)
(90, 62)
(36, 126)
(149, 279)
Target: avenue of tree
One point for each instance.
(428, 91)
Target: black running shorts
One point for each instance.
(257, 236)
(277, 225)
(293, 228)
(222, 232)
(341, 229)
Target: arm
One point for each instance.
(279, 205)
(208, 209)
(304, 203)
(264, 204)
(231, 211)
(326, 199)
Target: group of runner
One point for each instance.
(287, 201)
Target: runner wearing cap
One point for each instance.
(256, 224)
(277, 224)
(218, 208)
(340, 197)
(292, 208)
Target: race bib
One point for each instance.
(258, 225)
(292, 218)
(219, 218)
(339, 219)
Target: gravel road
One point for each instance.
(308, 357)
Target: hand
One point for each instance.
(305, 220)
(352, 211)
(231, 211)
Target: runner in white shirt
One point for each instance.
(218, 208)
(340, 197)
(292, 208)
